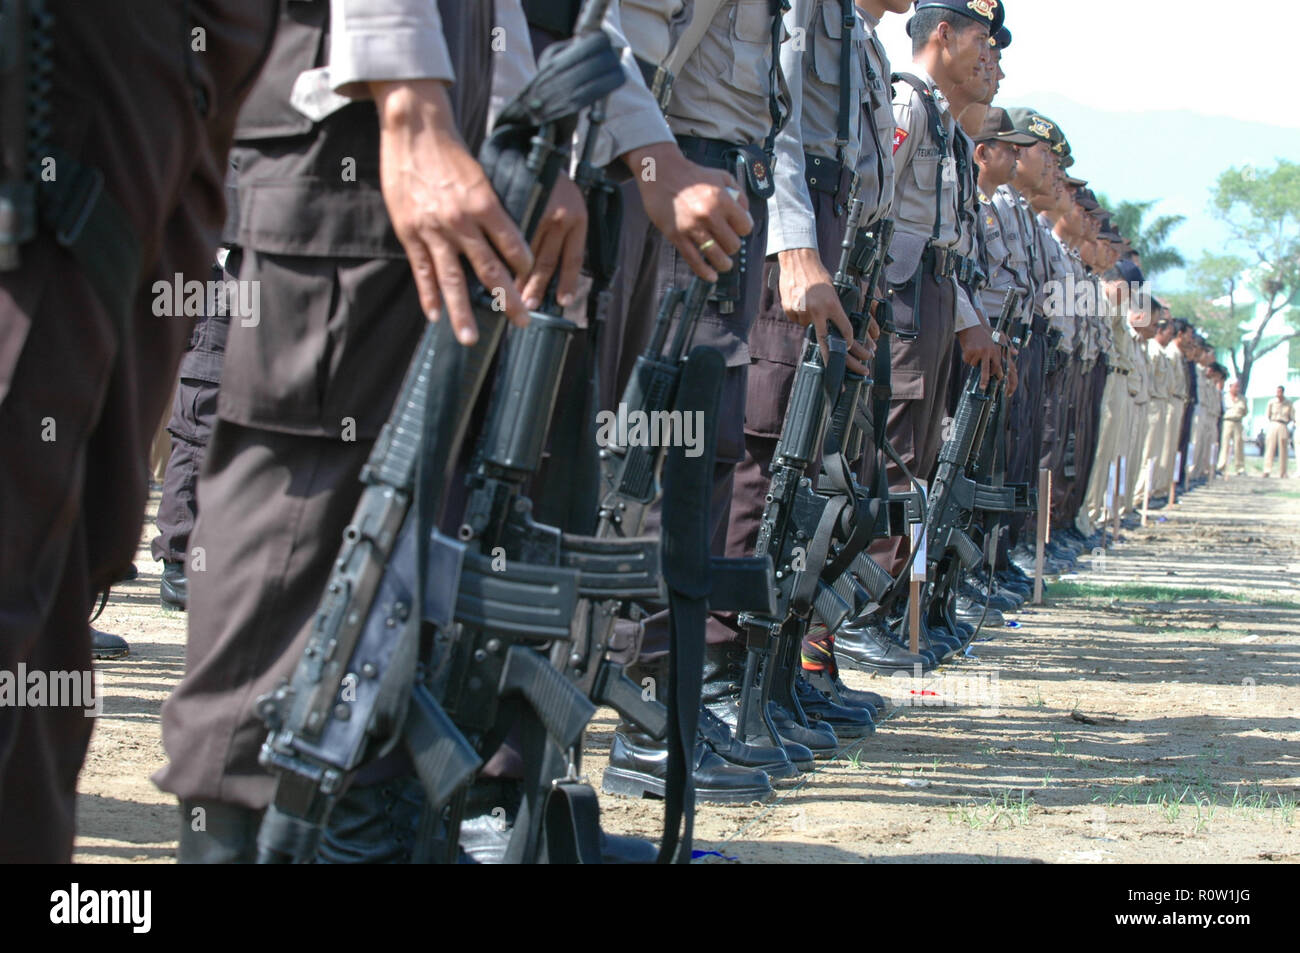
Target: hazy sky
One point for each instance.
(1220, 58)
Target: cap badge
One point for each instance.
(984, 8)
(1040, 127)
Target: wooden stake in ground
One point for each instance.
(1114, 510)
(1044, 530)
(1146, 495)
(1173, 480)
(917, 583)
(1108, 506)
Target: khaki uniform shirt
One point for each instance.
(1178, 370)
(1162, 384)
(876, 158)
(1141, 382)
(722, 91)
(1060, 305)
(1281, 411)
(812, 72)
(1237, 409)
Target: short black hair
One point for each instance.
(1217, 368)
(1133, 254)
(925, 22)
(1181, 325)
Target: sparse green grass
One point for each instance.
(1171, 800)
(1140, 592)
(1009, 808)
(1038, 701)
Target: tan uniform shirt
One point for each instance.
(1281, 411)
(1141, 381)
(722, 90)
(1162, 385)
(876, 158)
(1178, 369)
(812, 72)
(1237, 409)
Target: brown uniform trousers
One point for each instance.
(776, 346)
(155, 118)
(304, 394)
(729, 333)
(921, 373)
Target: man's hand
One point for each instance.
(693, 206)
(808, 297)
(442, 206)
(560, 242)
(978, 350)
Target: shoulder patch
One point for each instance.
(900, 136)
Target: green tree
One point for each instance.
(1151, 241)
(1261, 209)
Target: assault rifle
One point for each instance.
(961, 486)
(801, 524)
(376, 670)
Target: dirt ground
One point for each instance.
(1150, 713)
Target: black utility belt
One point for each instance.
(946, 263)
(1120, 371)
(658, 80)
(755, 171)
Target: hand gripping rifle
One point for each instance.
(960, 489)
(367, 681)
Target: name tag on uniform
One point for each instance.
(949, 169)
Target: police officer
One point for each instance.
(933, 182)
(1232, 443)
(1281, 416)
(80, 399)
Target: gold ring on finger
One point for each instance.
(707, 245)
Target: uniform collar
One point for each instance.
(940, 99)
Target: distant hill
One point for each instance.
(1171, 156)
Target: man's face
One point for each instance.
(1280, 392)
(1031, 168)
(997, 162)
(1234, 389)
(1165, 335)
(969, 56)
(898, 6)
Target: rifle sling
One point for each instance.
(688, 574)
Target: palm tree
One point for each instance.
(1151, 241)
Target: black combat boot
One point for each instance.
(174, 588)
(107, 646)
(724, 671)
(770, 759)
(845, 721)
(865, 643)
(214, 832)
(491, 808)
(715, 733)
(638, 767)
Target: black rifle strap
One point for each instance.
(870, 121)
(777, 8)
(940, 136)
(557, 17)
(688, 575)
(572, 824)
(848, 18)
